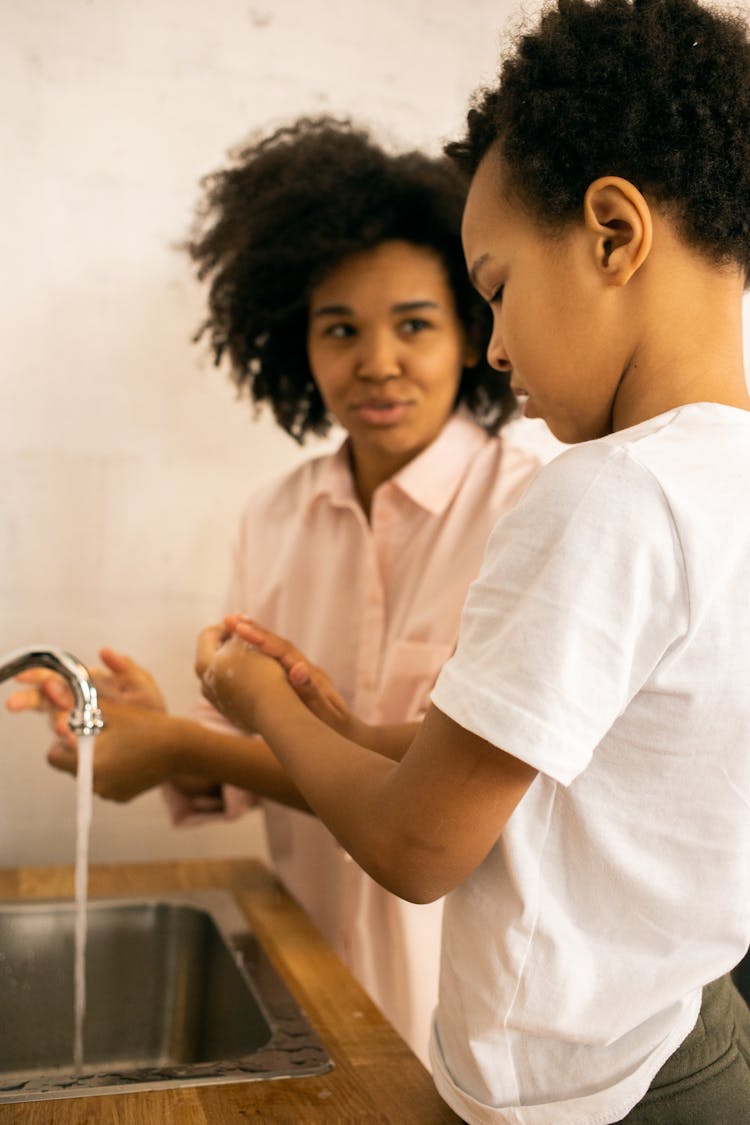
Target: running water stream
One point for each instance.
(84, 792)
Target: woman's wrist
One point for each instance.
(176, 744)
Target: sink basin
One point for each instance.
(179, 992)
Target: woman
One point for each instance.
(338, 291)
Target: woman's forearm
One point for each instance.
(244, 761)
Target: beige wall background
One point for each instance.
(125, 457)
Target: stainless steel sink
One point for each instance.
(179, 992)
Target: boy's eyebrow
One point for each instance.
(399, 307)
(476, 268)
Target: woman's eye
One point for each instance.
(414, 325)
(339, 331)
(497, 296)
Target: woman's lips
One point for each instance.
(377, 412)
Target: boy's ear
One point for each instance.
(619, 218)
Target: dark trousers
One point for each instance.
(707, 1080)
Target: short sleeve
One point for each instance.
(581, 594)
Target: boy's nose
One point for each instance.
(497, 356)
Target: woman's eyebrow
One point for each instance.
(412, 306)
(334, 310)
(399, 307)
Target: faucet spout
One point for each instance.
(85, 718)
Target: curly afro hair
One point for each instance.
(655, 91)
(289, 208)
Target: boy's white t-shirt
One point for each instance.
(607, 643)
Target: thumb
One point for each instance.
(63, 757)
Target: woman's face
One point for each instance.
(386, 349)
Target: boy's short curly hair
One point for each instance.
(655, 91)
(287, 210)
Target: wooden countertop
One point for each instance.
(376, 1079)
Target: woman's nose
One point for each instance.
(378, 358)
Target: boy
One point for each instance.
(580, 786)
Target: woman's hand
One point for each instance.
(124, 681)
(131, 754)
(138, 750)
(121, 680)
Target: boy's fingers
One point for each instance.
(299, 674)
(269, 643)
(209, 641)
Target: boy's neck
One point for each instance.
(689, 346)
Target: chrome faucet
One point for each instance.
(85, 718)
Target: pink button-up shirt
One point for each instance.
(377, 605)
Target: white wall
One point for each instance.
(124, 457)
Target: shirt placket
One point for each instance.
(369, 659)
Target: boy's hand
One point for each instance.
(310, 682)
(235, 677)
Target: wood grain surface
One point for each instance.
(376, 1079)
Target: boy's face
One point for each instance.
(554, 320)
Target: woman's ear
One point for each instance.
(619, 219)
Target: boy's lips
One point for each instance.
(525, 402)
(381, 412)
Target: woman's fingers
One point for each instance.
(124, 681)
(27, 699)
(117, 662)
(51, 696)
(63, 756)
(48, 689)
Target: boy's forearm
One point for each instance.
(391, 740)
(345, 782)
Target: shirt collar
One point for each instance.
(430, 481)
